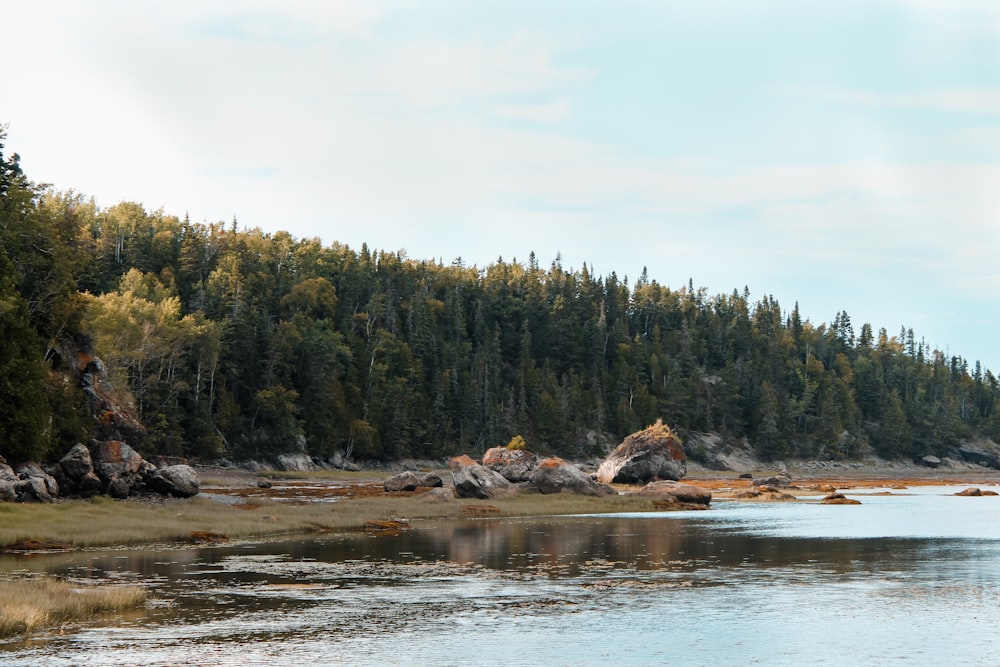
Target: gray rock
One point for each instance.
(516, 465)
(89, 485)
(75, 465)
(677, 492)
(7, 473)
(980, 455)
(118, 488)
(476, 481)
(411, 481)
(553, 475)
(295, 463)
(930, 461)
(33, 470)
(32, 489)
(780, 481)
(180, 481)
(8, 490)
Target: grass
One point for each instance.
(28, 604)
(104, 522)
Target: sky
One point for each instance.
(842, 154)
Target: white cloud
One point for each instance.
(956, 100)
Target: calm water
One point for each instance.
(905, 579)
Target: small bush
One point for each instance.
(516, 443)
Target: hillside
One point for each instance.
(238, 343)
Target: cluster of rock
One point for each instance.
(108, 467)
(653, 457)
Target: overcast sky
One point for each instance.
(843, 154)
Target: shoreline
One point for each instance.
(234, 506)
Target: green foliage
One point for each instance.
(243, 343)
(517, 443)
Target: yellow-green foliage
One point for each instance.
(31, 603)
(517, 442)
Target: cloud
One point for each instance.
(956, 100)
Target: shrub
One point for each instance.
(517, 442)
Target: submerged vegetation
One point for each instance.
(27, 604)
(239, 343)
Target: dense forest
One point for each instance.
(238, 343)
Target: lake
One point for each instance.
(910, 578)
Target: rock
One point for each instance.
(679, 492)
(295, 463)
(264, 484)
(461, 462)
(746, 475)
(32, 489)
(763, 494)
(930, 461)
(89, 485)
(780, 481)
(411, 481)
(476, 481)
(113, 411)
(337, 460)
(969, 492)
(72, 468)
(654, 453)
(838, 499)
(180, 481)
(118, 488)
(114, 458)
(988, 458)
(33, 470)
(440, 494)
(7, 473)
(8, 492)
(514, 464)
(553, 475)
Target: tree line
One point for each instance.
(240, 343)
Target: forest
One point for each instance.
(237, 343)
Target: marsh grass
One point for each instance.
(105, 522)
(28, 604)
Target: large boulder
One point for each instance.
(33, 470)
(516, 465)
(295, 463)
(930, 461)
(76, 463)
(476, 481)
(654, 453)
(411, 481)
(670, 491)
(179, 481)
(553, 475)
(114, 458)
(32, 489)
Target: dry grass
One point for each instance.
(104, 522)
(31, 603)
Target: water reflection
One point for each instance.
(744, 584)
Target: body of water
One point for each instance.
(912, 578)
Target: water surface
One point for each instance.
(911, 579)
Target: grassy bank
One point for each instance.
(104, 522)
(31, 603)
